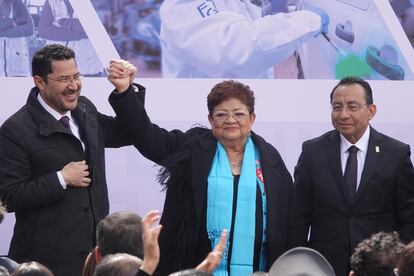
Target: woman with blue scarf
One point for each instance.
(224, 178)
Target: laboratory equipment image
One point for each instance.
(364, 39)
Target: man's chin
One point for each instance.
(345, 129)
(71, 106)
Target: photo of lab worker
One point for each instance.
(231, 38)
(134, 26)
(58, 24)
(16, 25)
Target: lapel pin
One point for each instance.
(377, 149)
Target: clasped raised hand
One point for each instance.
(121, 73)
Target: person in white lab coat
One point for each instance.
(58, 24)
(229, 38)
(16, 25)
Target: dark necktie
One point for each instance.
(65, 122)
(350, 175)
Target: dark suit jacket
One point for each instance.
(188, 157)
(384, 201)
(56, 226)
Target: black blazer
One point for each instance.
(384, 201)
(56, 227)
(187, 157)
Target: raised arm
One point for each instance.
(154, 142)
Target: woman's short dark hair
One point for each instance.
(227, 90)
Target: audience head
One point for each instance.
(406, 261)
(301, 261)
(57, 78)
(43, 58)
(32, 269)
(120, 264)
(352, 107)
(377, 256)
(2, 211)
(231, 103)
(191, 272)
(120, 232)
(355, 81)
(90, 263)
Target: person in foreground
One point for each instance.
(119, 232)
(353, 181)
(126, 264)
(377, 255)
(52, 164)
(226, 177)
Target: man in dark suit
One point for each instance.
(52, 173)
(346, 196)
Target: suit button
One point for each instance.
(351, 219)
(86, 209)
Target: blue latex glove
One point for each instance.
(324, 18)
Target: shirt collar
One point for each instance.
(362, 143)
(51, 111)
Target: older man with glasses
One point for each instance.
(353, 181)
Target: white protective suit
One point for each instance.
(228, 38)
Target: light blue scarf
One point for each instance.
(220, 206)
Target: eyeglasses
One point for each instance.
(352, 107)
(222, 116)
(67, 79)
